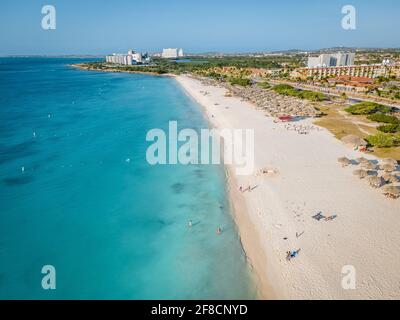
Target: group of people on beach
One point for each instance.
(301, 129)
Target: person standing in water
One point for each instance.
(190, 224)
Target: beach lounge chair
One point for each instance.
(330, 218)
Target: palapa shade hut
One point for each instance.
(344, 161)
(372, 173)
(388, 167)
(390, 178)
(392, 191)
(360, 173)
(354, 141)
(390, 161)
(369, 166)
(362, 160)
(376, 182)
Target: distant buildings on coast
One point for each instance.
(342, 65)
(131, 58)
(332, 60)
(135, 58)
(367, 71)
(172, 53)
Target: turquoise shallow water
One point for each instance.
(112, 229)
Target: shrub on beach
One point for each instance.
(161, 71)
(389, 128)
(378, 117)
(367, 108)
(302, 94)
(382, 140)
(240, 82)
(313, 96)
(283, 88)
(287, 90)
(214, 75)
(264, 85)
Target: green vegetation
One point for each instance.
(367, 108)
(312, 95)
(384, 118)
(267, 62)
(283, 89)
(240, 82)
(385, 137)
(264, 85)
(341, 125)
(204, 63)
(302, 94)
(389, 128)
(382, 79)
(382, 140)
(214, 75)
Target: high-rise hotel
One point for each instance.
(131, 58)
(172, 53)
(331, 60)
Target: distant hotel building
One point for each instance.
(172, 53)
(367, 71)
(342, 64)
(331, 60)
(126, 59)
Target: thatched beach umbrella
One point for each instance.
(376, 182)
(344, 161)
(369, 166)
(392, 191)
(396, 175)
(390, 161)
(354, 141)
(362, 160)
(388, 167)
(360, 173)
(372, 173)
(390, 178)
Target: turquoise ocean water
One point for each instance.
(112, 228)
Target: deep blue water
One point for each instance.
(112, 229)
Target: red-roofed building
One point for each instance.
(349, 83)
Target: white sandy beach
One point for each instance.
(365, 234)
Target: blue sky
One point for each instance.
(99, 27)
